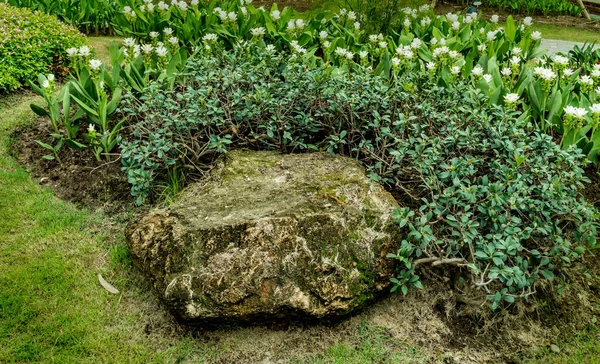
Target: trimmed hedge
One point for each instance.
(32, 43)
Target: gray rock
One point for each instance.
(270, 237)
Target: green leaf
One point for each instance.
(38, 110)
(547, 274)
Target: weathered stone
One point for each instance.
(269, 237)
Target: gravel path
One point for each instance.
(559, 46)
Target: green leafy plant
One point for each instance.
(495, 202)
(32, 43)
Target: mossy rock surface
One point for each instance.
(270, 237)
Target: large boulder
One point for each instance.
(270, 237)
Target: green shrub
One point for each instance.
(32, 43)
(87, 15)
(482, 192)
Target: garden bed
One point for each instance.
(81, 179)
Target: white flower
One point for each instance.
(356, 25)
(383, 44)
(595, 109)
(291, 25)
(453, 54)
(150, 7)
(425, 21)
(143, 8)
(586, 80)
(299, 23)
(154, 34)
(576, 112)
(326, 44)
(270, 48)
(477, 3)
(434, 41)
(451, 17)
(456, 25)
(91, 128)
(168, 31)
(210, 37)
(491, 35)
(127, 10)
(595, 72)
(424, 8)
(50, 77)
(545, 74)
(536, 35)
(515, 60)
(561, 60)
(173, 40)
(194, 2)
(147, 48)
(494, 19)
(477, 71)
(161, 51)
(244, 10)
(276, 15)
(506, 71)
(455, 70)
(45, 84)
(511, 98)
(395, 61)
(430, 66)
(517, 51)
(363, 54)
(443, 41)
(84, 51)
(351, 15)
(482, 48)
(569, 72)
(528, 21)
(95, 64)
(162, 6)
(232, 16)
(416, 43)
(323, 35)
(72, 52)
(129, 42)
(487, 78)
(597, 66)
(182, 5)
(406, 22)
(257, 31)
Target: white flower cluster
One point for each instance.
(545, 74)
(575, 112)
(297, 47)
(343, 52)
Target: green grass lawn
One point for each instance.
(566, 33)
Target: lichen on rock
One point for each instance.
(268, 237)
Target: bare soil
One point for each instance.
(80, 179)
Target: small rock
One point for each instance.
(555, 348)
